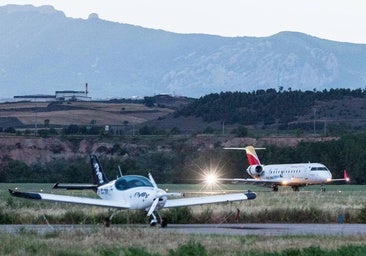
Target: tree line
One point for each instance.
(184, 165)
(262, 106)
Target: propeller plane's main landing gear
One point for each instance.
(107, 220)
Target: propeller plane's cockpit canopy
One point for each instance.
(132, 181)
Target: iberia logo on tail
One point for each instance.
(252, 156)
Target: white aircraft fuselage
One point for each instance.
(294, 175)
(291, 174)
(135, 198)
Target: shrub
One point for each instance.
(190, 249)
(134, 251)
(179, 215)
(362, 215)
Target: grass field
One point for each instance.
(82, 113)
(345, 199)
(267, 207)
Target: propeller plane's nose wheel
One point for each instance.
(154, 220)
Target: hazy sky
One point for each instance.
(340, 20)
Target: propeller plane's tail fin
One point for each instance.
(99, 176)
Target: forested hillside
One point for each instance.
(284, 110)
(172, 159)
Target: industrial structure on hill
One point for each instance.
(67, 95)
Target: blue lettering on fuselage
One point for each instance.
(141, 195)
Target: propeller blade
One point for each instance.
(153, 206)
(152, 180)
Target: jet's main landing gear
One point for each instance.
(295, 188)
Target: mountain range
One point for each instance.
(42, 51)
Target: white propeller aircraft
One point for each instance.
(131, 192)
(294, 175)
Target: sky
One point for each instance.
(338, 20)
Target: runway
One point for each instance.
(280, 229)
(257, 229)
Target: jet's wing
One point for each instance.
(345, 177)
(69, 199)
(209, 199)
(264, 183)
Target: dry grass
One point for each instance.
(155, 240)
(267, 206)
(102, 113)
(101, 241)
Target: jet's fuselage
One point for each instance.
(289, 174)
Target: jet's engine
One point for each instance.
(255, 170)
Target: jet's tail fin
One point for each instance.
(99, 176)
(251, 154)
(252, 157)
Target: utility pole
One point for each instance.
(35, 123)
(314, 120)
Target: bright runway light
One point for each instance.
(211, 178)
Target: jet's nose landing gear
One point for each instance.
(322, 188)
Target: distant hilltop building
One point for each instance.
(35, 98)
(72, 95)
(66, 95)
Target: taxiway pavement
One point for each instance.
(239, 229)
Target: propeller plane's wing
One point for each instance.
(70, 199)
(75, 186)
(120, 205)
(209, 199)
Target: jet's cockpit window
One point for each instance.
(319, 168)
(132, 181)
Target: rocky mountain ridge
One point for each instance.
(120, 60)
